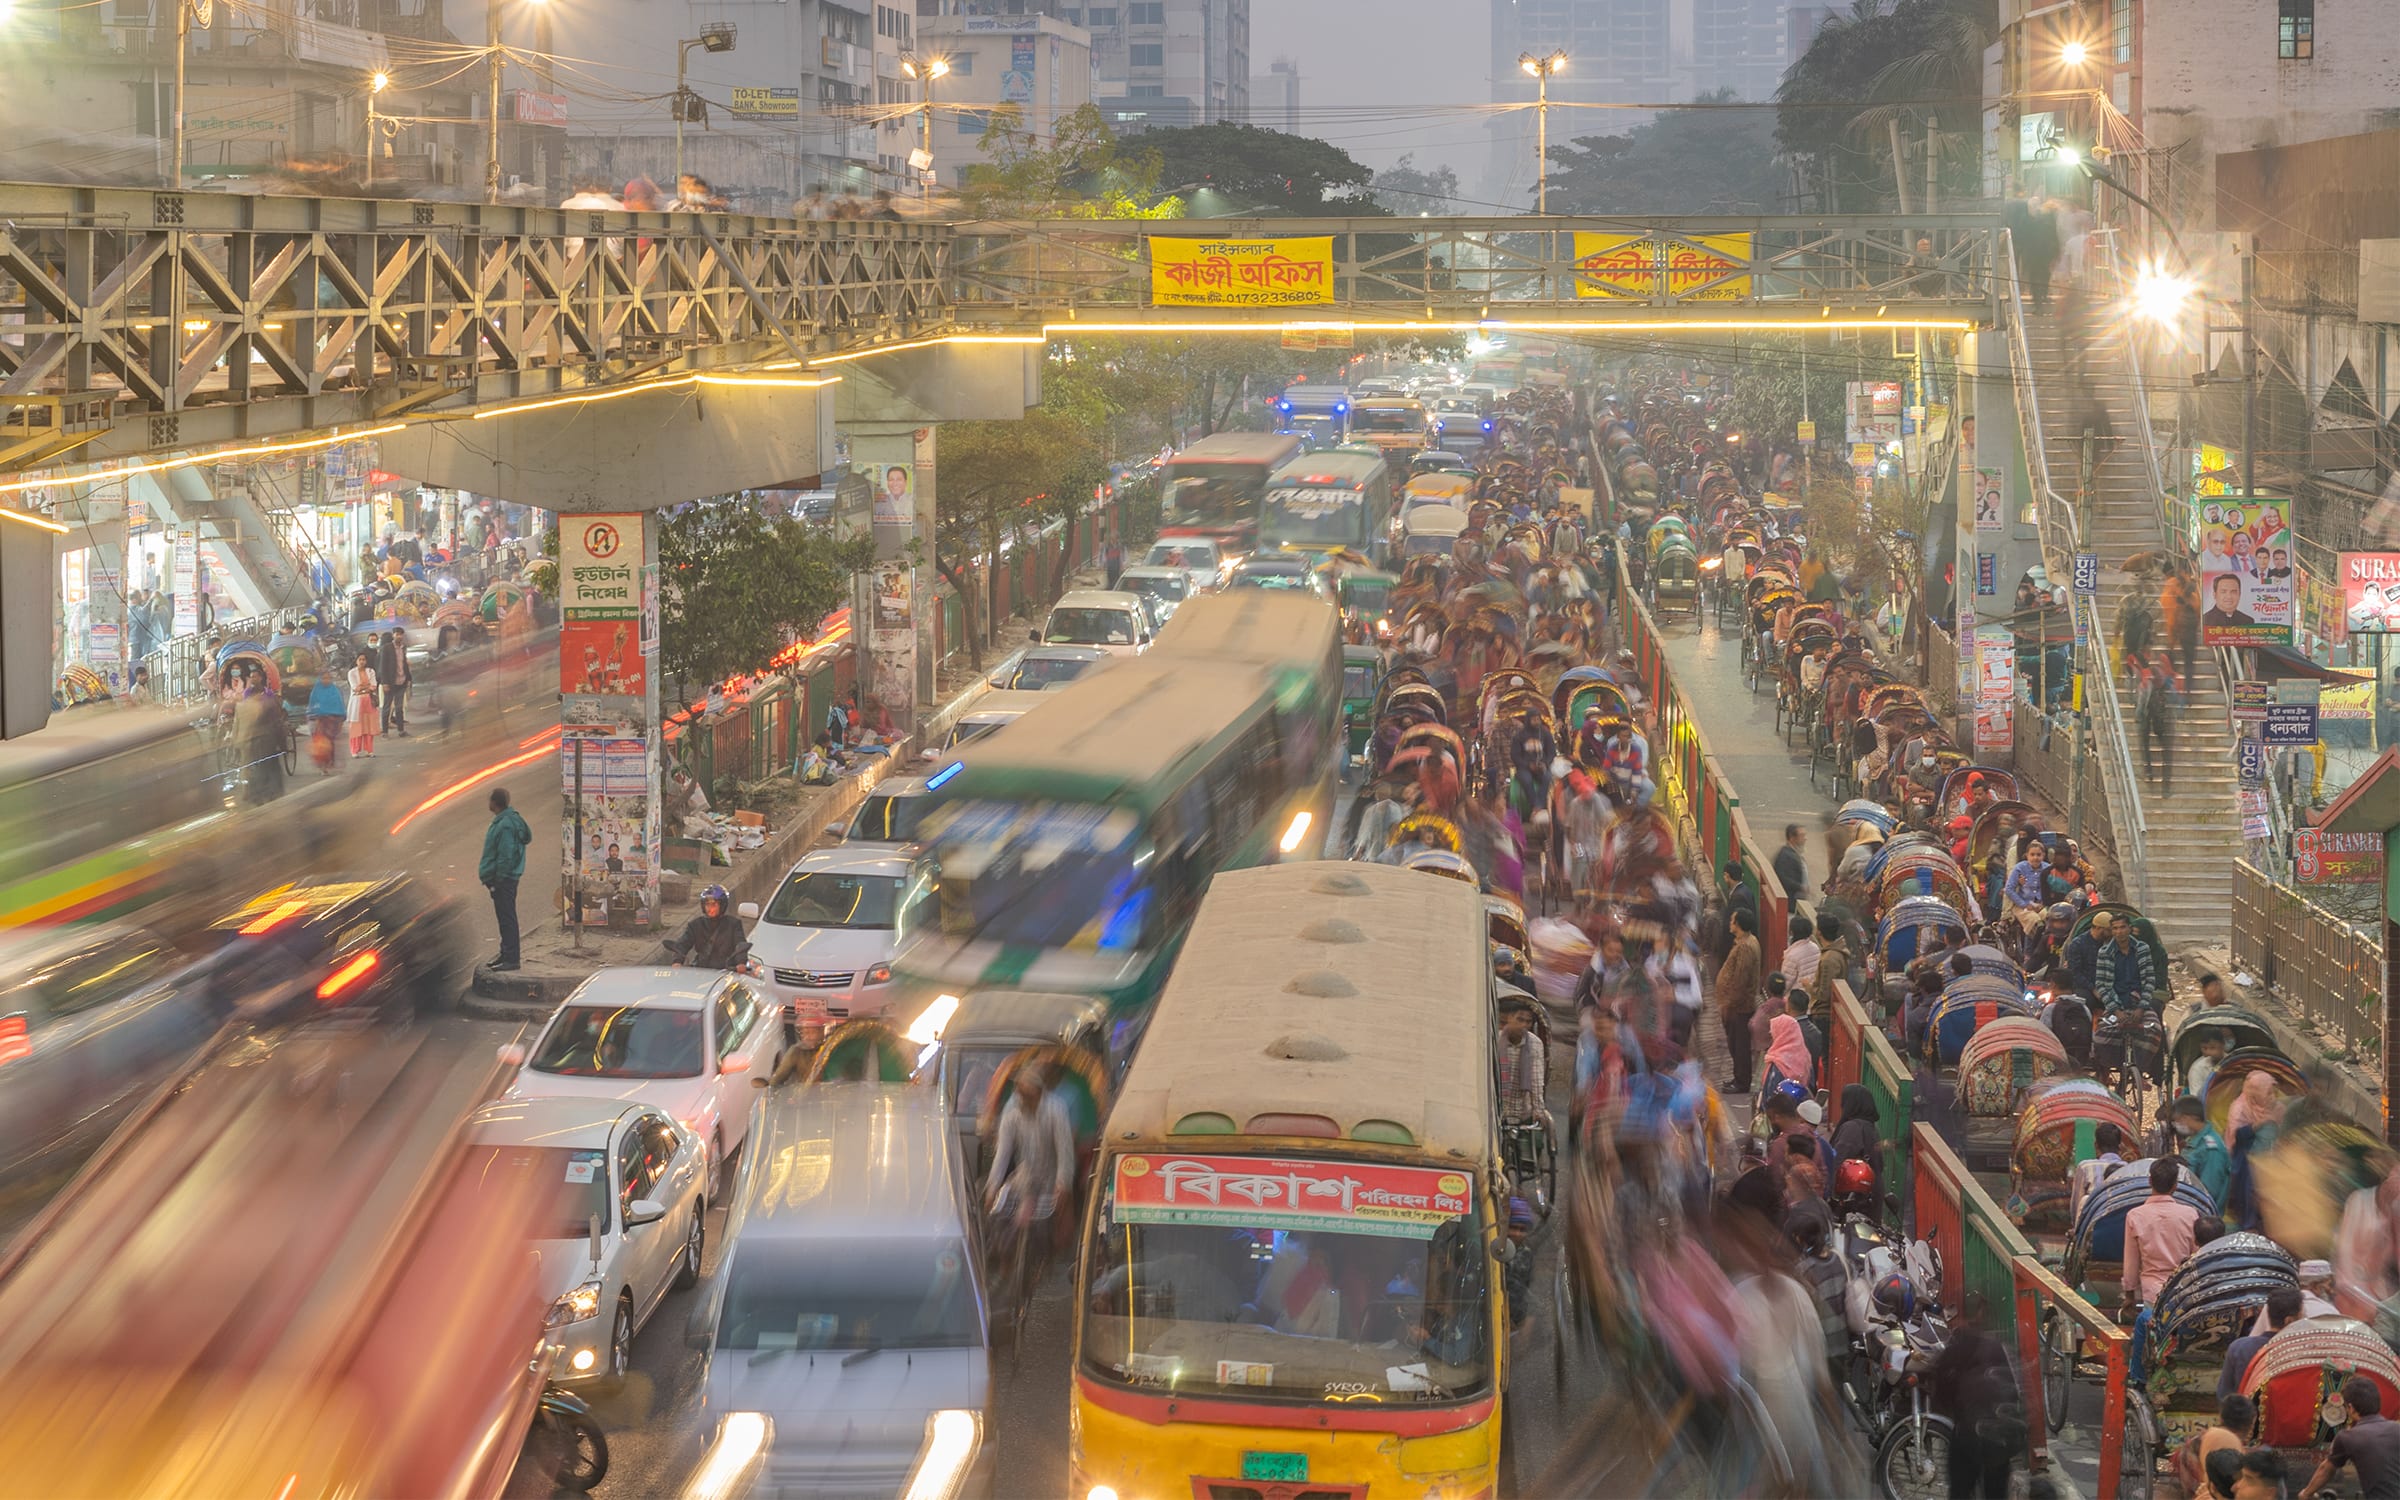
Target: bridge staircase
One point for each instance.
(2177, 839)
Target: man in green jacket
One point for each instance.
(503, 866)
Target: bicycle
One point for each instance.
(1016, 1259)
(1530, 1154)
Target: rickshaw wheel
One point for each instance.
(2058, 1367)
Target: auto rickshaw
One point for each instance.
(1362, 686)
(1366, 595)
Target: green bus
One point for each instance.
(105, 809)
(1075, 843)
(1324, 502)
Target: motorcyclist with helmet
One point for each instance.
(714, 939)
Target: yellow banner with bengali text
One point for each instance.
(1293, 272)
(1700, 268)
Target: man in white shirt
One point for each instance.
(1035, 1154)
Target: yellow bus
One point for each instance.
(1287, 1282)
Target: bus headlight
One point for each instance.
(733, 1458)
(952, 1439)
(927, 1027)
(1298, 831)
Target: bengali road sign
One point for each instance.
(1695, 268)
(1291, 272)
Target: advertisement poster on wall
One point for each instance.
(187, 579)
(1995, 664)
(1991, 503)
(606, 781)
(2246, 578)
(1995, 728)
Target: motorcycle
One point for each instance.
(571, 1449)
(1896, 1332)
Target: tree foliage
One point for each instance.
(1262, 171)
(1083, 172)
(998, 481)
(737, 586)
(1407, 190)
(1886, 61)
(1694, 161)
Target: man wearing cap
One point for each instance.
(1791, 1115)
(2316, 1294)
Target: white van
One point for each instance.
(1115, 622)
(846, 1334)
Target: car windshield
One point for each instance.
(822, 898)
(1386, 419)
(1204, 1300)
(1316, 514)
(1169, 588)
(1089, 627)
(1036, 672)
(1268, 578)
(1183, 554)
(571, 1184)
(878, 1296)
(621, 1041)
(1358, 682)
(889, 817)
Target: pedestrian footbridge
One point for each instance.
(137, 322)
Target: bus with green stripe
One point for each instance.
(1074, 844)
(105, 810)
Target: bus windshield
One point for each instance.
(1374, 1289)
(1046, 875)
(1387, 419)
(1317, 514)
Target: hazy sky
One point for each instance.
(1365, 65)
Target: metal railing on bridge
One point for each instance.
(132, 321)
(2320, 966)
(1449, 270)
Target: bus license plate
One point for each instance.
(1275, 1468)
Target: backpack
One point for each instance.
(2137, 626)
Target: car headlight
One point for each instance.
(952, 1438)
(733, 1457)
(880, 974)
(578, 1306)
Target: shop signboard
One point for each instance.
(2250, 700)
(2323, 857)
(1287, 271)
(1687, 268)
(2250, 760)
(2245, 572)
(2370, 585)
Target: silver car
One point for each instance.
(621, 1215)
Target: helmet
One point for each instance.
(1792, 1092)
(1896, 1296)
(1854, 1176)
(719, 895)
(2060, 911)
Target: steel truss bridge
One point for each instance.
(136, 321)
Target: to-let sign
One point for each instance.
(1290, 272)
(600, 566)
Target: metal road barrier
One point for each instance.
(2318, 965)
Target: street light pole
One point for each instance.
(375, 85)
(925, 72)
(715, 38)
(1541, 68)
(491, 111)
(186, 12)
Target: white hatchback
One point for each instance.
(686, 1042)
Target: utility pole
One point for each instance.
(186, 12)
(925, 71)
(491, 108)
(375, 85)
(2249, 370)
(1899, 165)
(712, 38)
(1933, 189)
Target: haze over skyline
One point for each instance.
(1366, 65)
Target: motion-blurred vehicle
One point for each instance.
(1439, 461)
(628, 1220)
(1042, 666)
(827, 937)
(887, 816)
(982, 1032)
(1161, 588)
(1200, 556)
(992, 711)
(1283, 570)
(284, 1283)
(849, 1351)
(91, 1020)
(1112, 620)
(683, 1041)
(390, 946)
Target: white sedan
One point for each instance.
(686, 1042)
(620, 1216)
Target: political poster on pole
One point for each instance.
(2246, 577)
